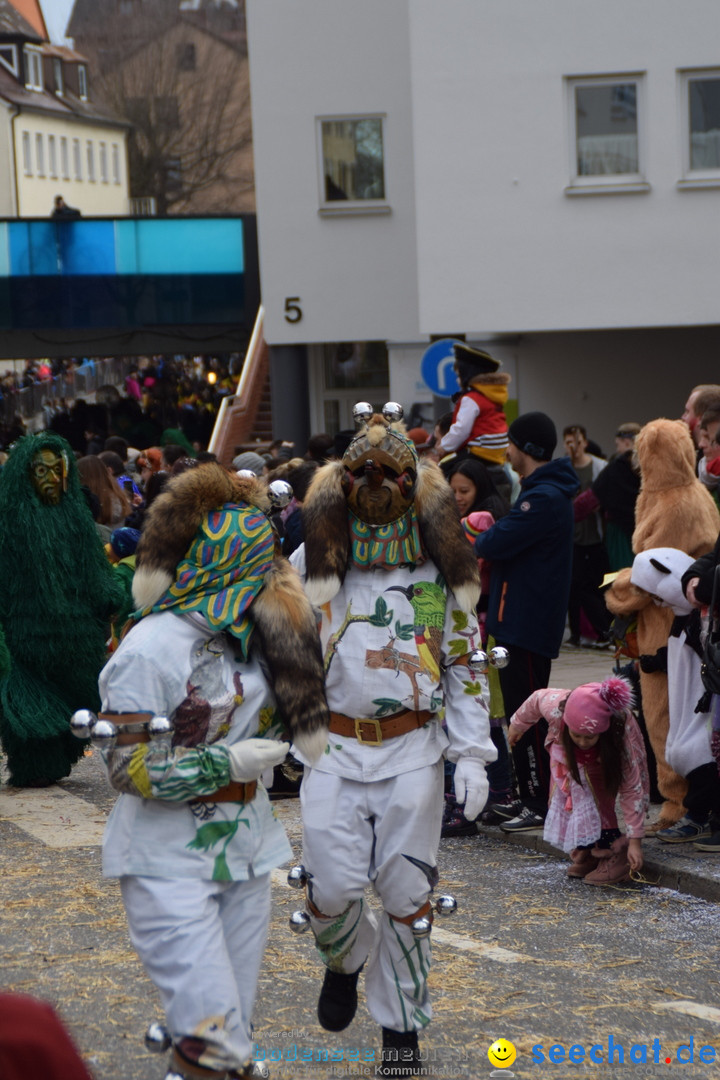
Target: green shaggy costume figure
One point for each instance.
(57, 593)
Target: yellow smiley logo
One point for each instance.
(502, 1054)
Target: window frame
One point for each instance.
(115, 160)
(692, 178)
(27, 154)
(103, 158)
(52, 157)
(90, 160)
(40, 153)
(10, 62)
(349, 207)
(77, 159)
(64, 158)
(613, 183)
(58, 76)
(33, 60)
(82, 82)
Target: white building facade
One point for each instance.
(544, 178)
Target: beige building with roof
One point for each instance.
(54, 139)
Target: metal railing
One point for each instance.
(79, 382)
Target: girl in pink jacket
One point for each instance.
(597, 756)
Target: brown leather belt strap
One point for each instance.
(372, 731)
(461, 661)
(424, 911)
(232, 792)
(131, 726)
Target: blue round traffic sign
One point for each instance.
(436, 368)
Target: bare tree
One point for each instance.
(185, 89)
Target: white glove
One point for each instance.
(471, 786)
(250, 758)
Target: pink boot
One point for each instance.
(614, 867)
(583, 862)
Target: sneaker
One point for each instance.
(711, 844)
(455, 823)
(505, 810)
(683, 831)
(573, 642)
(526, 821)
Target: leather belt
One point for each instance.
(371, 731)
(235, 791)
(130, 726)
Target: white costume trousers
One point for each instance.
(201, 943)
(387, 833)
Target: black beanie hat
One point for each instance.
(534, 433)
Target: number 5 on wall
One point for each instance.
(293, 311)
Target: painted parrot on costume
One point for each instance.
(428, 603)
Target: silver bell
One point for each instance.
(393, 412)
(299, 922)
(478, 661)
(103, 735)
(446, 905)
(160, 727)
(280, 493)
(362, 411)
(421, 927)
(499, 657)
(157, 1038)
(297, 877)
(82, 722)
(246, 474)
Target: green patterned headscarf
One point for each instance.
(223, 570)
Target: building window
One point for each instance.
(186, 58)
(64, 158)
(90, 154)
(27, 153)
(605, 134)
(52, 156)
(9, 58)
(116, 163)
(167, 115)
(352, 164)
(173, 174)
(701, 127)
(40, 154)
(33, 69)
(103, 163)
(77, 159)
(82, 82)
(58, 74)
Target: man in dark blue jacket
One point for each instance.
(531, 552)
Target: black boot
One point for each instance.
(337, 1003)
(400, 1053)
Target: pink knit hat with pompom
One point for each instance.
(590, 708)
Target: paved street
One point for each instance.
(530, 956)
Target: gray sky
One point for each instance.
(57, 14)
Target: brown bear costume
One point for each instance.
(673, 510)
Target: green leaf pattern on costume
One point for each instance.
(218, 832)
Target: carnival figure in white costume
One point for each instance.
(387, 564)
(188, 726)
